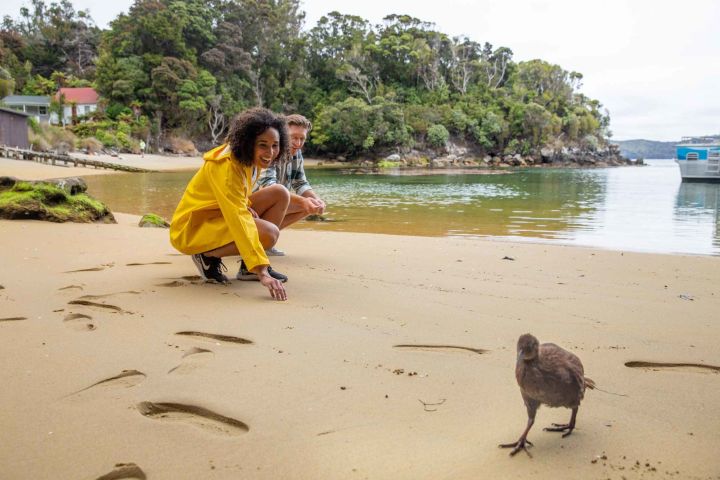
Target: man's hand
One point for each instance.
(312, 206)
(253, 213)
(319, 204)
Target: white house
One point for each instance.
(35, 106)
(76, 102)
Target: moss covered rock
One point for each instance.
(20, 200)
(150, 220)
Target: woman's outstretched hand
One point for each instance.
(277, 289)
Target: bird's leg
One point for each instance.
(567, 428)
(522, 442)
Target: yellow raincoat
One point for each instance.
(214, 210)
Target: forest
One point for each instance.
(180, 69)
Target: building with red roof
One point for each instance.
(77, 102)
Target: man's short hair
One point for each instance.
(299, 120)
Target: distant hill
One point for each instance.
(646, 148)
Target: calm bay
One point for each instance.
(645, 209)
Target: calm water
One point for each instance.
(642, 209)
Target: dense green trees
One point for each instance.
(187, 66)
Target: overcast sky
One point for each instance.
(655, 65)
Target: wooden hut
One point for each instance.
(14, 128)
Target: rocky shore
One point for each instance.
(458, 156)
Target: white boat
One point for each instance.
(699, 162)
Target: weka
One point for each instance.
(550, 375)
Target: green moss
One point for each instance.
(44, 201)
(388, 164)
(22, 187)
(151, 219)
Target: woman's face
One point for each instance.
(267, 148)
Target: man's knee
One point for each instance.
(279, 192)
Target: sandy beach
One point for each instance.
(392, 359)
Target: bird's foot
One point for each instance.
(521, 444)
(561, 427)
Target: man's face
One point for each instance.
(298, 135)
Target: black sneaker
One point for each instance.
(246, 275)
(210, 268)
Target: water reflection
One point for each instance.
(697, 207)
(646, 209)
(526, 203)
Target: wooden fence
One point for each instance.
(57, 158)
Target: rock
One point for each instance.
(438, 162)
(340, 158)
(72, 185)
(456, 150)
(393, 158)
(150, 220)
(8, 182)
(50, 202)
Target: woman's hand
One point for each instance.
(277, 289)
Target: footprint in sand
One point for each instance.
(182, 281)
(93, 269)
(192, 360)
(192, 278)
(12, 319)
(105, 295)
(449, 348)
(657, 366)
(174, 283)
(102, 306)
(124, 471)
(79, 321)
(216, 337)
(126, 379)
(71, 287)
(149, 263)
(194, 415)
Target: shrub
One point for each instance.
(107, 138)
(116, 109)
(124, 141)
(352, 126)
(180, 145)
(438, 136)
(37, 142)
(90, 144)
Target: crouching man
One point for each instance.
(290, 172)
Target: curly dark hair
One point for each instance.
(245, 128)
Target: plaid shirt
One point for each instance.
(290, 173)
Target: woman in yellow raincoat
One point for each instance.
(219, 216)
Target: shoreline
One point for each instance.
(323, 389)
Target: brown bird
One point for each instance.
(551, 375)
